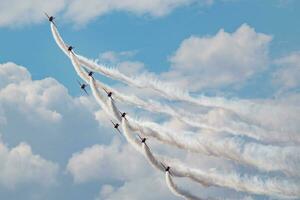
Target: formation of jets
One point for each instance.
(109, 94)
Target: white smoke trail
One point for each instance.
(243, 108)
(235, 181)
(285, 159)
(272, 187)
(82, 74)
(263, 157)
(153, 106)
(58, 39)
(256, 185)
(287, 188)
(169, 91)
(178, 191)
(188, 118)
(144, 82)
(156, 162)
(237, 127)
(129, 137)
(100, 99)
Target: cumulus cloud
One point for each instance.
(115, 57)
(147, 188)
(29, 97)
(81, 12)
(122, 61)
(11, 73)
(15, 12)
(220, 60)
(106, 162)
(19, 165)
(42, 113)
(288, 72)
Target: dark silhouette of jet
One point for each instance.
(90, 73)
(167, 169)
(70, 48)
(123, 114)
(143, 140)
(82, 86)
(109, 94)
(116, 126)
(51, 19)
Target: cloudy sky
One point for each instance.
(57, 143)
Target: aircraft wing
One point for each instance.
(85, 91)
(85, 70)
(78, 82)
(105, 90)
(119, 131)
(140, 137)
(46, 15)
(112, 122)
(163, 166)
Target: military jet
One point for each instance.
(143, 140)
(50, 18)
(167, 169)
(116, 126)
(109, 94)
(123, 114)
(90, 73)
(82, 86)
(70, 48)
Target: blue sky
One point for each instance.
(178, 41)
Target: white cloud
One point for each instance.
(11, 73)
(131, 68)
(122, 61)
(288, 73)
(44, 115)
(146, 188)
(29, 97)
(15, 12)
(219, 60)
(81, 12)
(45, 100)
(20, 166)
(115, 57)
(106, 162)
(281, 114)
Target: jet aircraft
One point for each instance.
(82, 86)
